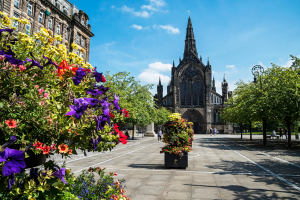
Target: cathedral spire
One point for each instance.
(190, 43)
(224, 79)
(207, 61)
(173, 63)
(159, 83)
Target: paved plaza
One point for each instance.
(219, 168)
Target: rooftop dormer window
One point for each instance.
(82, 21)
(58, 5)
(65, 10)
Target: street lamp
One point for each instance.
(257, 71)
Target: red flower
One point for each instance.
(46, 149)
(111, 115)
(38, 145)
(116, 128)
(53, 146)
(103, 79)
(11, 123)
(70, 151)
(122, 138)
(125, 112)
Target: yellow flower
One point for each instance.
(74, 46)
(29, 47)
(24, 21)
(50, 32)
(58, 37)
(6, 21)
(51, 40)
(82, 50)
(68, 171)
(44, 32)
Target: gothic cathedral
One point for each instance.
(192, 92)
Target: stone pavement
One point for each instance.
(218, 169)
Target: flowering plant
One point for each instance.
(52, 97)
(177, 135)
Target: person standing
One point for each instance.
(280, 133)
(211, 131)
(286, 133)
(159, 135)
(215, 131)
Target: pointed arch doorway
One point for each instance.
(196, 117)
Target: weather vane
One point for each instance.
(189, 13)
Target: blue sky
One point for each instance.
(143, 37)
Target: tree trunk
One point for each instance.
(250, 132)
(265, 131)
(133, 131)
(288, 123)
(241, 130)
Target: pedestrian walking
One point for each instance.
(215, 131)
(280, 133)
(286, 133)
(211, 131)
(159, 135)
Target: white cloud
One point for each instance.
(137, 14)
(155, 5)
(213, 72)
(138, 27)
(112, 6)
(231, 67)
(261, 64)
(153, 73)
(289, 63)
(160, 66)
(170, 29)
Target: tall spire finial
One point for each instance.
(224, 80)
(159, 81)
(189, 13)
(173, 63)
(190, 43)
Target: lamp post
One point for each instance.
(257, 70)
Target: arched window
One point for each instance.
(200, 88)
(188, 93)
(195, 94)
(182, 93)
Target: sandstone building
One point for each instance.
(59, 16)
(192, 92)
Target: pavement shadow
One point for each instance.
(241, 192)
(147, 166)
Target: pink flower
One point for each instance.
(53, 146)
(25, 85)
(36, 86)
(41, 91)
(35, 75)
(46, 95)
(13, 65)
(2, 57)
(115, 174)
(41, 103)
(22, 67)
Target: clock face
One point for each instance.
(191, 71)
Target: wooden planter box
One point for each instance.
(174, 161)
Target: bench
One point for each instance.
(270, 136)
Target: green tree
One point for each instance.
(136, 98)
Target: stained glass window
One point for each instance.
(200, 89)
(182, 93)
(188, 93)
(195, 94)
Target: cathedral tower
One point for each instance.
(224, 89)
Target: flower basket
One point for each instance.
(176, 161)
(34, 160)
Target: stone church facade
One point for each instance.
(192, 92)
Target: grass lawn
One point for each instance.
(260, 133)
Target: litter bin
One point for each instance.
(297, 136)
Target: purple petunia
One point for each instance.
(100, 121)
(78, 109)
(78, 76)
(116, 102)
(35, 63)
(12, 140)
(14, 161)
(11, 181)
(60, 173)
(6, 30)
(94, 92)
(95, 142)
(98, 76)
(105, 106)
(34, 175)
(50, 62)
(92, 101)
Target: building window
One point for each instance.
(29, 8)
(77, 39)
(16, 23)
(58, 28)
(78, 52)
(82, 41)
(82, 22)
(28, 27)
(188, 93)
(195, 95)
(50, 23)
(41, 17)
(17, 3)
(82, 55)
(200, 89)
(182, 95)
(57, 4)
(65, 10)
